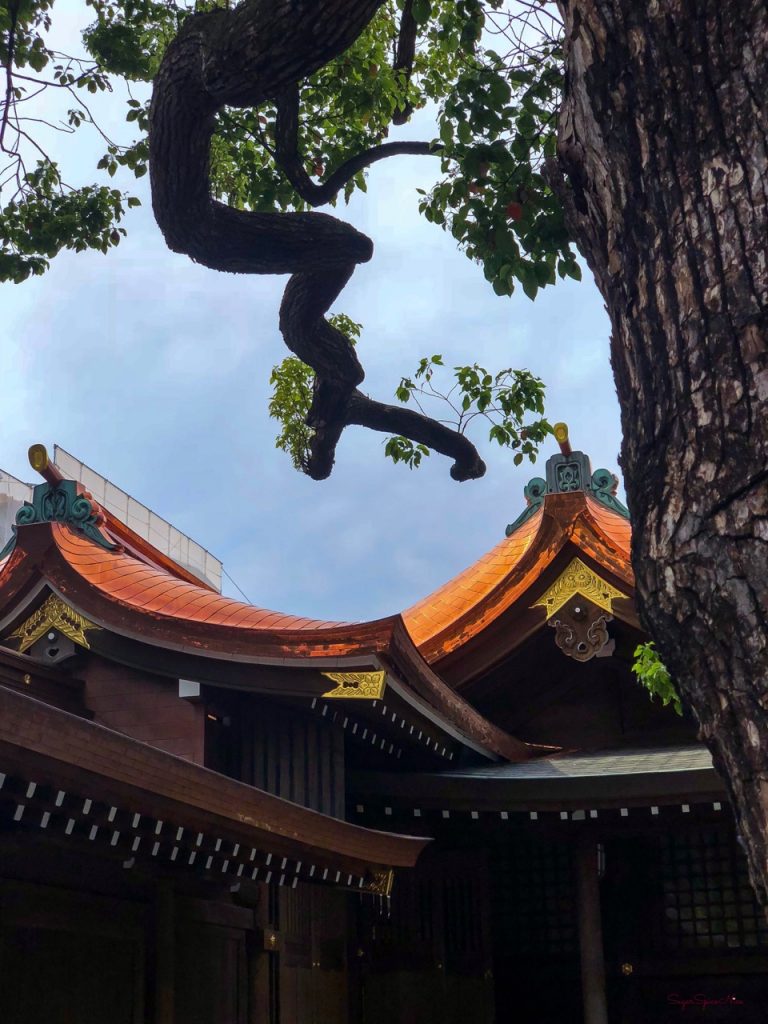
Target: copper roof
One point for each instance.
(464, 606)
(129, 596)
(134, 581)
(464, 593)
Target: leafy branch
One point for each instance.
(652, 673)
(40, 213)
(501, 400)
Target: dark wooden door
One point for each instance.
(313, 956)
(463, 908)
(69, 958)
(211, 975)
(535, 938)
(424, 955)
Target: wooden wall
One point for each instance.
(144, 706)
(70, 957)
(313, 956)
(425, 955)
(117, 948)
(282, 749)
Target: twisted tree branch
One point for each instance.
(243, 57)
(290, 159)
(419, 428)
(405, 53)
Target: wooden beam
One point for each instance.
(64, 752)
(590, 933)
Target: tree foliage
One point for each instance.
(654, 676)
(501, 401)
(491, 72)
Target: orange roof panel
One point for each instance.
(614, 528)
(461, 595)
(459, 610)
(143, 587)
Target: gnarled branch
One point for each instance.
(256, 52)
(405, 53)
(290, 159)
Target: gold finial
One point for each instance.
(39, 461)
(560, 431)
(38, 457)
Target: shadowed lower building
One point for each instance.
(470, 812)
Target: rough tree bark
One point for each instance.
(243, 57)
(663, 169)
(663, 157)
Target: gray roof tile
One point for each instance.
(601, 762)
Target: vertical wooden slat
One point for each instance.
(291, 755)
(284, 753)
(164, 966)
(263, 753)
(313, 792)
(338, 809)
(258, 965)
(325, 761)
(245, 725)
(300, 760)
(271, 745)
(590, 935)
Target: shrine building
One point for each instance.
(467, 813)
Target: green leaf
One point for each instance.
(422, 9)
(652, 673)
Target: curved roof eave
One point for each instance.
(140, 772)
(462, 608)
(119, 593)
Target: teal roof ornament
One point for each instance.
(569, 471)
(58, 501)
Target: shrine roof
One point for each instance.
(64, 540)
(129, 579)
(572, 506)
(583, 764)
(572, 779)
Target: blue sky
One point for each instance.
(154, 371)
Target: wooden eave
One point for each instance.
(448, 791)
(66, 753)
(125, 599)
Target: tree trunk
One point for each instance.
(663, 167)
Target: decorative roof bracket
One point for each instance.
(578, 578)
(569, 471)
(59, 501)
(53, 614)
(356, 685)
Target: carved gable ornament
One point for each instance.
(57, 616)
(356, 685)
(578, 578)
(579, 606)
